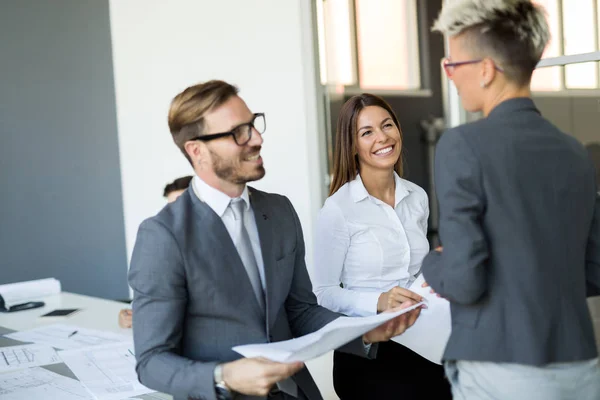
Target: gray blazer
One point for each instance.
(193, 300)
(520, 226)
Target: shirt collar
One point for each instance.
(359, 192)
(214, 198)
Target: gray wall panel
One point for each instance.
(61, 212)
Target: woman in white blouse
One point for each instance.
(371, 238)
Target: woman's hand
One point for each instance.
(395, 297)
(425, 284)
(125, 318)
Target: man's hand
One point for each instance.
(395, 297)
(394, 327)
(125, 318)
(256, 376)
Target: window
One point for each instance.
(388, 46)
(574, 29)
(369, 44)
(579, 37)
(545, 79)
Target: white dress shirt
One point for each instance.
(219, 202)
(368, 246)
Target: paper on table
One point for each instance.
(39, 383)
(108, 372)
(430, 333)
(29, 355)
(333, 335)
(16, 293)
(61, 336)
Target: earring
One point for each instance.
(482, 84)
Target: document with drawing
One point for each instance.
(107, 371)
(25, 356)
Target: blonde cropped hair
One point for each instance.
(512, 32)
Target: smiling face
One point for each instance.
(222, 163)
(378, 141)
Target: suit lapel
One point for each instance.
(230, 267)
(266, 236)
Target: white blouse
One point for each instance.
(368, 246)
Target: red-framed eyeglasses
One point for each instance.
(449, 66)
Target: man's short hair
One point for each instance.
(188, 108)
(178, 184)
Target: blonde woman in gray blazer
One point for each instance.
(519, 219)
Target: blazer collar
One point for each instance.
(266, 235)
(512, 105)
(219, 237)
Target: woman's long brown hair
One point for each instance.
(345, 159)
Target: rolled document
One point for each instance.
(16, 293)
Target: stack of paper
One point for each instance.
(15, 293)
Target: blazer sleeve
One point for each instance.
(304, 314)
(593, 249)
(158, 281)
(458, 273)
(332, 241)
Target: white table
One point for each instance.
(104, 315)
(96, 314)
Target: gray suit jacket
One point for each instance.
(520, 226)
(193, 300)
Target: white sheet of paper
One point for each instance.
(333, 335)
(39, 383)
(429, 335)
(59, 336)
(20, 292)
(108, 372)
(25, 356)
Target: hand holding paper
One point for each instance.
(256, 376)
(395, 326)
(429, 335)
(337, 333)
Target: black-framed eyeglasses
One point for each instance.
(241, 133)
(449, 65)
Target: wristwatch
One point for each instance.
(221, 389)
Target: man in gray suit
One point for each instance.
(224, 265)
(519, 220)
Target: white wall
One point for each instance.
(266, 48)
(161, 47)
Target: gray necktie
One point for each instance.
(244, 248)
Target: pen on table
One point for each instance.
(130, 352)
(72, 333)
